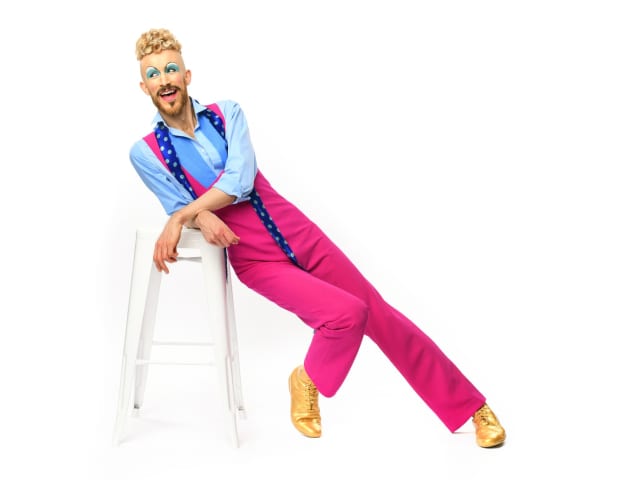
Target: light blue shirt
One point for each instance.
(203, 157)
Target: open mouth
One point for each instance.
(168, 94)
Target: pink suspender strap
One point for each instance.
(151, 140)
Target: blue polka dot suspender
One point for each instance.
(172, 162)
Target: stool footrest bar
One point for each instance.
(162, 362)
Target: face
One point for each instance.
(165, 80)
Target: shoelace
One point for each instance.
(310, 393)
(484, 416)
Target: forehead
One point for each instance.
(161, 59)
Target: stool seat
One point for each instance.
(140, 322)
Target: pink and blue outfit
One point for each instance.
(322, 286)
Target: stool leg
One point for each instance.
(215, 286)
(142, 273)
(146, 337)
(234, 348)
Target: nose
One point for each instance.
(164, 78)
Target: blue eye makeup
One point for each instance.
(152, 72)
(171, 68)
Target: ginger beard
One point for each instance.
(170, 100)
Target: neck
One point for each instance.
(185, 120)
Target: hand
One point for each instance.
(166, 245)
(215, 231)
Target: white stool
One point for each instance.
(143, 303)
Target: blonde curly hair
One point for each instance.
(156, 40)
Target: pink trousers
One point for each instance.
(331, 296)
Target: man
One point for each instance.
(200, 163)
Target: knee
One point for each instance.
(349, 318)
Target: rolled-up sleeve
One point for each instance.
(171, 194)
(240, 168)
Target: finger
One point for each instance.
(160, 265)
(226, 239)
(159, 259)
(231, 238)
(221, 241)
(156, 259)
(214, 241)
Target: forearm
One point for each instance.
(212, 200)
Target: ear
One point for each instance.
(187, 77)
(144, 88)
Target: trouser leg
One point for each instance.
(434, 377)
(337, 317)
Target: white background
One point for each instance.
(477, 160)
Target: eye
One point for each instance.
(172, 68)
(152, 72)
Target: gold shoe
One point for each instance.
(305, 411)
(489, 432)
